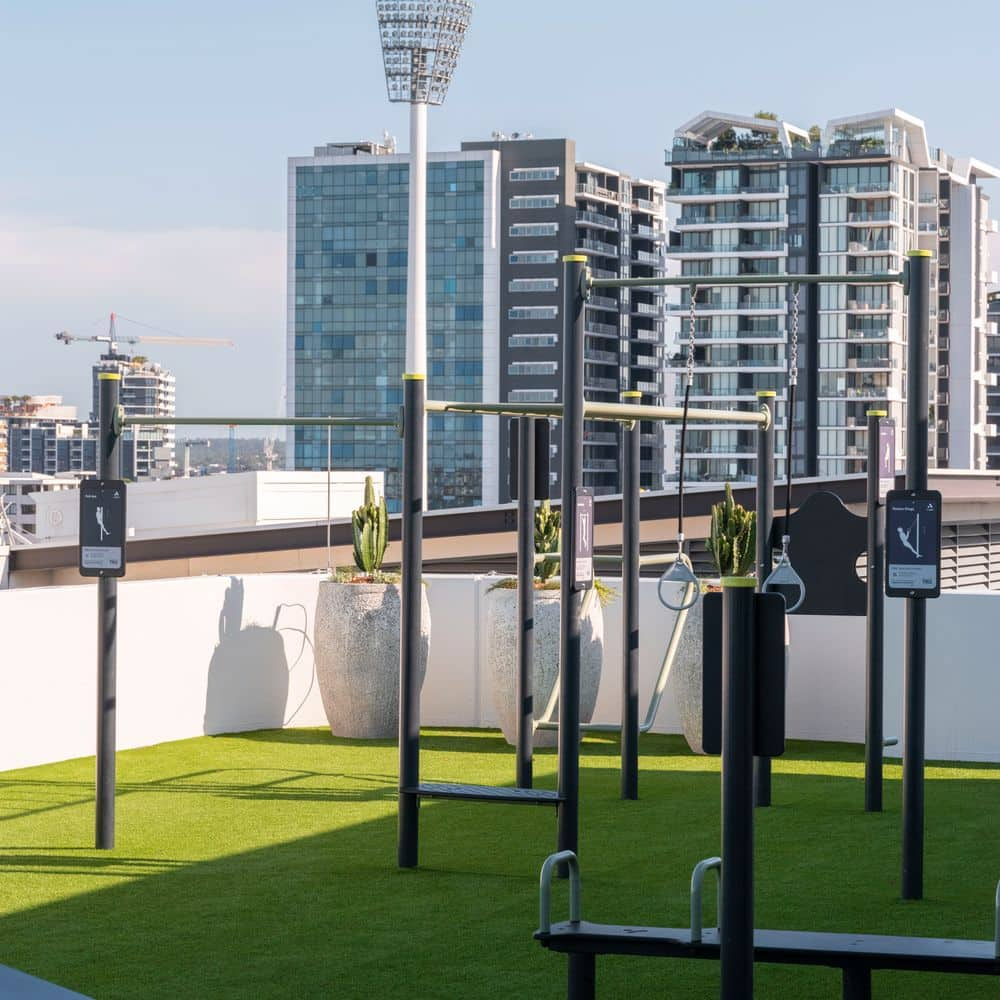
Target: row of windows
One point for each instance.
(534, 257)
(534, 229)
(533, 312)
(533, 368)
(534, 174)
(533, 284)
(534, 201)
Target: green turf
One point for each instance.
(263, 865)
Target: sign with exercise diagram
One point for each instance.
(583, 557)
(102, 527)
(913, 543)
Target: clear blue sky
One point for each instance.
(143, 145)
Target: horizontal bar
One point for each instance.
(625, 412)
(136, 421)
(698, 281)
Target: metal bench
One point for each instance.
(856, 955)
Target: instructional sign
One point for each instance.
(886, 457)
(102, 527)
(913, 543)
(583, 557)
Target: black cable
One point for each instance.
(788, 461)
(680, 476)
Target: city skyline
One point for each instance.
(170, 204)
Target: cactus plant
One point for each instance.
(371, 532)
(548, 523)
(733, 539)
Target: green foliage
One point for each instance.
(605, 594)
(371, 532)
(768, 115)
(733, 539)
(815, 133)
(548, 524)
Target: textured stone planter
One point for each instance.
(357, 656)
(687, 676)
(501, 634)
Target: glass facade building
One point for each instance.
(348, 219)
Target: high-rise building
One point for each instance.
(552, 205)
(993, 381)
(761, 196)
(501, 215)
(42, 435)
(148, 390)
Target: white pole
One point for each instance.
(416, 260)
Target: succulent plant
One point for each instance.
(548, 523)
(733, 538)
(371, 531)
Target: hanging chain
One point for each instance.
(690, 350)
(793, 358)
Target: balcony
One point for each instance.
(645, 257)
(886, 216)
(856, 149)
(601, 384)
(643, 205)
(653, 388)
(596, 246)
(880, 187)
(601, 329)
(593, 191)
(927, 227)
(687, 152)
(608, 357)
(646, 309)
(717, 222)
(872, 246)
(596, 219)
(648, 233)
(602, 302)
(778, 364)
(928, 198)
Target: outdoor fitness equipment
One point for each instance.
(783, 576)
(681, 572)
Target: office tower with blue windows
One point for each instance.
(347, 239)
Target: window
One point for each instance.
(533, 340)
(534, 257)
(532, 395)
(533, 368)
(534, 201)
(371, 259)
(533, 312)
(469, 313)
(534, 174)
(534, 229)
(533, 285)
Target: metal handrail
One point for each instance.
(889, 278)
(697, 879)
(545, 889)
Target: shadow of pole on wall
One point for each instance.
(248, 674)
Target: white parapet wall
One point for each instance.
(224, 654)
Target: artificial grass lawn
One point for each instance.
(263, 865)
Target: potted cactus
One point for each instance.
(732, 541)
(502, 644)
(357, 632)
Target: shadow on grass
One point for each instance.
(328, 914)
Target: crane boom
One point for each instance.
(113, 340)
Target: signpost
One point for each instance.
(583, 555)
(913, 543)
(102, 527)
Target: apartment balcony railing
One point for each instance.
(856, 148)
(597, 246)
(601, 329)
(869, 306)
(599, 465)
(694, 450)
(927, 227)
(688, 153)
(651, 387)
(596, 382)
(596, 219)
(602, 302)
(708, 336)
(886, 216)
(609, 357)
(603, 272)
(852, 364)
(598, 192)
(646, 309)
(944, 233)
(858, 392)
(645, 257)
(679, 362)
(944, 260)
(646, 206)
(647, 336)
(872, 246)
(599, 437)
(871, 333)
(879, 187)
(648, 232)
(722, 190)
(928, 198)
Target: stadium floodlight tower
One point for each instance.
(421, 40)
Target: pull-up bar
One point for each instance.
(699, 280)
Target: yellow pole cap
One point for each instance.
(632, 394)
(414, 377)
(876, 413)
(919, 253)
(577, 258)
(766, 394)
(109, 377)
(738, 581)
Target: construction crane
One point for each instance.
(112, 339)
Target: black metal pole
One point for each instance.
(874, 615)
(109, 466)
(525, 597)
(915, 655)
(765, 519)
(736, 917)
(630, 604)
(414, 395)
(574, 270)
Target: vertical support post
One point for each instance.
(109, 466)
(525, 598)
(874, 618)
(414, 396)
(736, 925)
(765, 520)
(574, 276)
(329, 490)
(630, 604)
(915, 649)
(582, 981)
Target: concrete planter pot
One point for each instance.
(501, 632)
(357, 656)
(688, 676)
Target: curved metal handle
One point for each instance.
(682, 574)
(545, 889)
(783, 575)
(697, 878)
